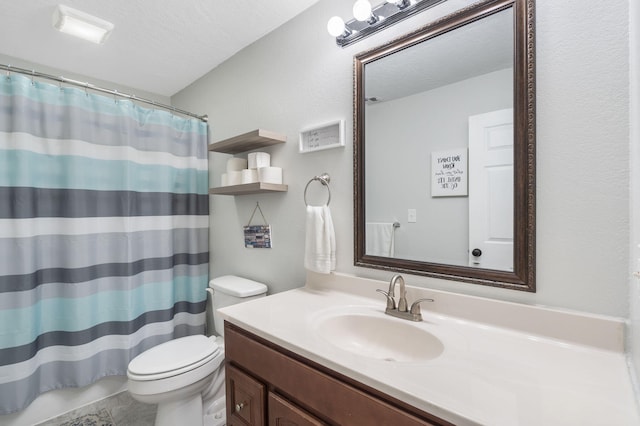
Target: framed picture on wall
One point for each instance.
(257, 236)
(320, 137)
(449, 173)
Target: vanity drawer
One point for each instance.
(331, 397)
(245, 399)
(284, 413)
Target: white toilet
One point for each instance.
(185, 376)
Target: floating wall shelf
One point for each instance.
(255, 139)
(249, 141)
(248, 188)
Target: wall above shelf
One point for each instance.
(255, 139)
(248, 188)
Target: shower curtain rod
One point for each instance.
(33, 73)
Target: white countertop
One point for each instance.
(489, 373)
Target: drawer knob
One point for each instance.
(239, 406)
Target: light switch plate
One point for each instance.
(412, 216)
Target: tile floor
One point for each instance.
(117, 410)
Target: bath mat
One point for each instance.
(101, 418)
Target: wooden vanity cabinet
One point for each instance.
(284, 413)
(245, 398)
(275, 386)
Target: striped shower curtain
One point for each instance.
(103, 235)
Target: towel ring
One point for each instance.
(323, 179)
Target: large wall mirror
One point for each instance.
(444, 151)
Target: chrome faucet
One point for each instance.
(412, 314)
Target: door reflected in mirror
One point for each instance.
(445, 149)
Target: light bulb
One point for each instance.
(401, 4)
(336, 26)
(362, 10)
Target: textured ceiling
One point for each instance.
(159, 46)
(478, 48)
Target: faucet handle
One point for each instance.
(415, 306)
(391, 303)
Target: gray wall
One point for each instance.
(296, 76)
(633, 340)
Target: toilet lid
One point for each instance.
(175, 355)
(237, 286)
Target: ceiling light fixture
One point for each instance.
(81, 24)
(368, 20)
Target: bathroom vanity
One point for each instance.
(327, 354)
(259, 371)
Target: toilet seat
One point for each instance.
(173, 358)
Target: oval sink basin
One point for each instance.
(379, 338)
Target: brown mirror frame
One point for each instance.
(523, 275)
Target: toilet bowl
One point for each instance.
(185, 376)
(173, 375)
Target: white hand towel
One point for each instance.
(320, 243)
(380, 239)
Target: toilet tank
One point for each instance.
(226, 291)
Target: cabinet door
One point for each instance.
(245, 399)
(284, 413)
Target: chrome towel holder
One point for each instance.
(324, 179)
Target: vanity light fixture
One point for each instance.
(81, 24)
(362, 11)
(368, 20)
(401, 4)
